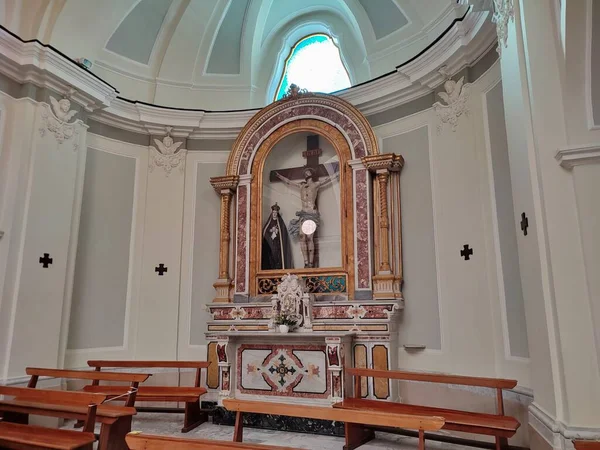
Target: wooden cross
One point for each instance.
(46, 260)
(161, 269)
(524, 224)
(466, 252)
(312, 154)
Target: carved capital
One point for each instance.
(389, 162)
(225, 183)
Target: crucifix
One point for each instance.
(312, 155)
(307, 219)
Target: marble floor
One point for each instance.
(170, 424)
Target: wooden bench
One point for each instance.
(15, 433)
(355, 434)
(587, 445)
(129, 393)
(140, 441)
(115, 420)
(190, 395)
(498, 425)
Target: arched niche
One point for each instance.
(357, 149)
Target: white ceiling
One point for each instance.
(228, 54)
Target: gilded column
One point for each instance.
(382, 166)
(224, 186)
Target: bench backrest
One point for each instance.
(141, 441)
(493, 383)
(134, 379)
(52, 396)
(433, 378)
(88, 375)
(414, 422)
(587, 445)
(198, 365)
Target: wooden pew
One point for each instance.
(15, 433)
(115, 420)
(586, 445)
(353, 420)
(499, 425)
(129, 393)
(190, 395)
(140, 441)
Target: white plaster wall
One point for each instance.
(420, 320)
(201, 246)
(122, 316)
(448, 201)
(103, 254)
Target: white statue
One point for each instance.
(61, 109)
(309, 190)
(167, 146)
(167, 156)
(456, 97)
(293, 302)
(55, 119)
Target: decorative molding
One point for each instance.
(464, 44)
(41, 65)
(167, 156)
(56, 120)
(504, 11)
(569, 157)
(556, 433)
(456, 96)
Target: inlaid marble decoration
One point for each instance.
(240, 272)
(283, 370)
(313, 106)
(363, 272)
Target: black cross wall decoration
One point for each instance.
(524, 223)
(46, 260)
(466, 252)
(161, 269)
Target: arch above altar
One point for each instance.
(369, 204)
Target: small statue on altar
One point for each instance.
(276, 251)
(308, 220)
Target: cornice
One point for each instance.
(569, 157)
(466, 42)
(43, 66)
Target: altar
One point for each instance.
(310, 236)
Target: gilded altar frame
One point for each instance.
(370, 234)
(265, 279)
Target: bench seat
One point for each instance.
(153, 393)
(141, 441)
(14, 435)
(104, 413)
(488, 424)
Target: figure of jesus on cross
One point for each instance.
(309, 189)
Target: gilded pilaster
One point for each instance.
(385, 283)
(224, 186)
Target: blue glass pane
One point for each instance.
(314, 64)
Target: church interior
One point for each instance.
(316, 224)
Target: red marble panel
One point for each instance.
(363, 268)
(240, 273)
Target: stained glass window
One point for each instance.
(314, 64)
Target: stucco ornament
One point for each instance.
(504, 11)
(167, 155)
(295, 91)
(56, 120)
(456, 96)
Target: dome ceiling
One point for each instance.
(229, 54)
